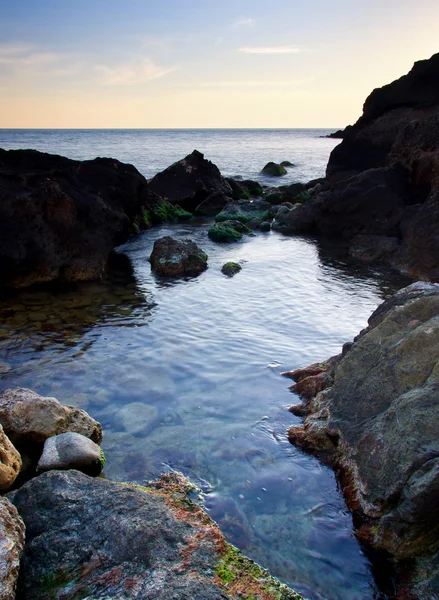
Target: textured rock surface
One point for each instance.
(190, 181)
(60, 218)
(380, 421)
(71, 451)
(177, 258)
(10, 461)
(12, 533)
(245, 211)
(230, 269)
(99, 539)
(228, 231)
(399, 133)
(28, 417)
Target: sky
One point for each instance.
(204, 63)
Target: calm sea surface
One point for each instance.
(186, 374)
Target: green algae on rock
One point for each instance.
(228, 231)
(274, 170)
(230, 269)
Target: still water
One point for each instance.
(186, 375)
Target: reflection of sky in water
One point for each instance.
(185, 375)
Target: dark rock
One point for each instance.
(253, 187)
(230, 269)
(338, 135)
(265, 226)
(95, 538)
(189, 182)
(287, 163)
(375, 248)
(213, 204)
(177, 258)
(12, 533)
(274, 170)
(300, 218)
(60, 218)
(244, 189)
(245, 211)
(228, 231)
(71, 451)
(380, 421)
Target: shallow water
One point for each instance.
(186, 375)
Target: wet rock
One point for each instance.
(132, 542)
(71, 451)
(213, 204)
(177, 258)
(138, 418)
(60, 218)
(12, 532)
(189, 182)
(254, 188)
(298, 219)
(10, 461)
(374, 248)
(274, 170)
(286, 163)
(265, 226)
(228, 231)
(380, 421)
(230, 269)
(245, 211)
(28, 417)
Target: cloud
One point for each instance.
(244, 22)
(247, 83)
(132, 73)
(271, 50)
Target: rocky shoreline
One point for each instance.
(371, 411)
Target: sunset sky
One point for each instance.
(202, 63)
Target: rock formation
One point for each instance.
(177, 258)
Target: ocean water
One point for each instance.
(186, 374)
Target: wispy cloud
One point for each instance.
(243, 23)
(271, 49)
(247, 83)
(132, 73)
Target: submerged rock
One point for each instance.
(286, 163)
(12, 533)
(132, 542)
(138, 418)
(190, 181)
(177, 258)
(274, 170)
(380, 421)
(230, 269)
(71, 451)
(28, 417)
(60, 218)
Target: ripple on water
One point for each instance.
(186, 375)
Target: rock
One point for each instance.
(287, 163)
(189, 182)
(90, 537)
(213, 204)
(338, 135)
(28, 417)
(298, 219)
(10, 462)
(230, 269)
(244, 189)
(245, 211)
(177, 258)
(12, 532)
(273, 169)
(380, 421)
(138, 418)
(60, 218)
(265, 226)
(228, 231)
(71, 451)
(375, 248)
(254, 188)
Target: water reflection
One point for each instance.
(187, 376)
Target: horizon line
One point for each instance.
(157, 128)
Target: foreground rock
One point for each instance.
(12, 533)
(132, 542)
(189, 182)
(29, 418)
(378, 419)
(60, 218)
(177, 258)
(71, 451)
(10, 461)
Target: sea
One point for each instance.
(186, 374)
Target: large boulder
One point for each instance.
(190, 181)
(12, 532)
(379, 419)
(60, 218)
(177, 258)
(10, 461)
(273, 169)
(71, 451)
(95, 538)
(29, 418)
